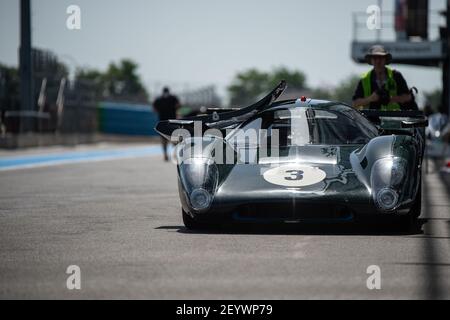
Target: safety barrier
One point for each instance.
(126, 119)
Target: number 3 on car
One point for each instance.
(293, 175)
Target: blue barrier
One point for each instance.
(127, 119)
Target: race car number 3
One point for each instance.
(294, 175)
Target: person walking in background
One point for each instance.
(381, 88)
(166, 106)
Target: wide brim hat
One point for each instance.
(378, 51)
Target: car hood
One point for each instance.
(309, 172)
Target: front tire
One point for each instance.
(406, 222)
(416, 209)
(191, 223)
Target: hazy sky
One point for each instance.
(200, 42)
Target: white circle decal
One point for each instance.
(294, 175)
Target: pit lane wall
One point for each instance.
(124, 119)
(87, 123)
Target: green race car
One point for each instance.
(300, 160)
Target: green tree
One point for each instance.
(91, 78)
(9, 88)
(88, 75)
(119, 81)
(122, 80)
(248, 86)
(322, 93)
(344, 91)
(295, 79)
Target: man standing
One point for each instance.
(381, 88)
(166, 106)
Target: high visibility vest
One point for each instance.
(390, 86)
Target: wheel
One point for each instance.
(190, 223)
(193, 224)
(410, 219)
(416, 209)
(406, 222)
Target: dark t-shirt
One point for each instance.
(166, 106)
(402, 88)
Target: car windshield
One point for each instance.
(320, 124)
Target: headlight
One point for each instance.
(386, 178)
(386, 199)
(200, 199)
(388, 172)
(199, 177)
(398, 172)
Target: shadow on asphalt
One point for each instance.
(430, 253)
(373, 229)
(430, 262)
(445, 178)
(427, 264)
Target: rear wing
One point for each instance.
(396, 119)
(220, 119)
